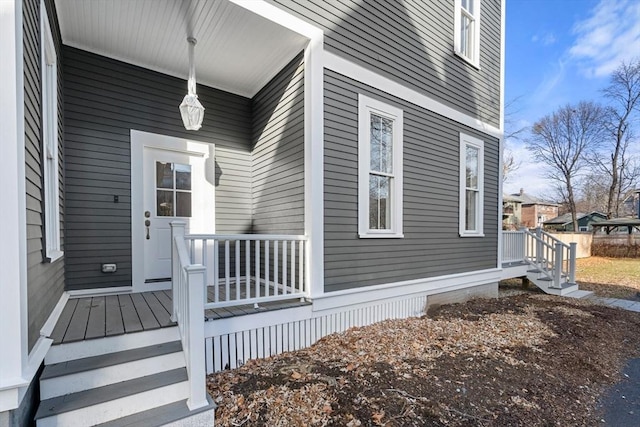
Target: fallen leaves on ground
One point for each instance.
(520, 360)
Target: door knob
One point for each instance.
(147, 223)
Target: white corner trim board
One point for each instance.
(369, 77)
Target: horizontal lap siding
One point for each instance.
(278, 153)
(411, 42)
(431, 246)
(104, 100)
(45, 281)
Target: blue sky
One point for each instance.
(560, 52)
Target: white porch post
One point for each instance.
(314, 166)
(13, 251)
(196, 353)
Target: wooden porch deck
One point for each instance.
(92, 317)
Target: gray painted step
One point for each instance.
(83, 399)
(161, 415)
(109, 359)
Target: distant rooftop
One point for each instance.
(528, 199)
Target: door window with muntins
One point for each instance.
(173, 189)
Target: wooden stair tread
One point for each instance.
(159, 416)
(110, 359)
(83, 399)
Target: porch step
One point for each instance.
(65, 352)
(81, 374)
(177, 413)
(114, 401)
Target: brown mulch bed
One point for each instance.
(523, 360)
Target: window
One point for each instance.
(467, 30)
(173, 189)
(471, 185)
(50, 139)
(583, 228)
(379, 169)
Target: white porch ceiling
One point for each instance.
(237, 51)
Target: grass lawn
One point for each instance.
(610, 277)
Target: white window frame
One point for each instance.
(473, 55)
(465, 141)
(49, 69)
(366, 107)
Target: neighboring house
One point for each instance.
(565, 222)
(631, 204)
(511, 212)
(535, 211)
(346, 172)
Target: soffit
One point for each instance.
(237, 50)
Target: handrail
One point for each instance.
(188, 307)
(551, 257)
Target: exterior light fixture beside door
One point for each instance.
(191, 109)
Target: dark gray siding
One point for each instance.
(411, 42)
(45, 281)
(104, 100)
(431, 246)
(278, 153)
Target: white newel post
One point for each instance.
(177, 230)
(557, 268)
(196, 352)
(573, 250)
(539, 248)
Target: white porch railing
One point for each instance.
(550, 257)
(188, 311)
(249, 268)
(513, 246)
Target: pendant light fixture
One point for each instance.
(191, 110)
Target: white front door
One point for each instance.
(177, 185)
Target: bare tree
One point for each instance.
(562, 139)
(616, 162)
(511, 132)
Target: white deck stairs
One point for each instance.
(543, 259)
(136, 379)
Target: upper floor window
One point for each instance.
(51, 189)
(467, 30)
(379, 169)
(471, 186)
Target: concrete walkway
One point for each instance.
(615, 302)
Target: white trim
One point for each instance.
(99, 292)
(371, 78)
(140, 140)
(502, 141)
(47, 328)
(366, 107)
(426, 286)
(281, 17)
(50, 138)
(13, 228)
(465, 141)
(474, 59)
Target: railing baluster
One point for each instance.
(301, 267)
(247, 268)
(293, 266)
(227, 279)
(266, 268)
(237, 264)
(257, 269)
(216, 271)
(284, 268)
(276, 279)
(206, 270)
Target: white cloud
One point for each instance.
(529, 176)
(607, 37)
(546, 39)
